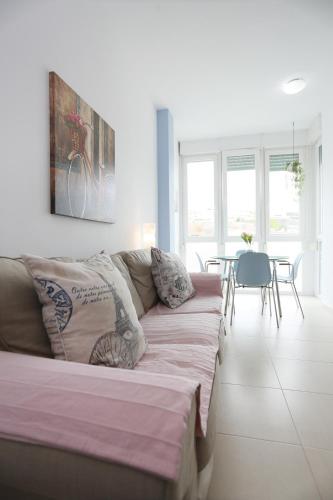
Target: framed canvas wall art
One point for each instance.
(82, 157)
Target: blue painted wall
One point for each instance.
(165, 177)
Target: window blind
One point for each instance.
(243, 162)
(279, 162)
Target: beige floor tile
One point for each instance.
(321, 463)
(305, 375)
(309, 332)
(255, 412)
(313, 415)
(250, 469)
(245, 346)
(252, 329)
(300, 352)
(252, 370)
(300, 349)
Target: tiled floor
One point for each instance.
(275, 423)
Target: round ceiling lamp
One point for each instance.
(294, 86)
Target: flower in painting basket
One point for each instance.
(247, 238)
(78, 134)
(74, 120)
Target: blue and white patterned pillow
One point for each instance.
(172, 281)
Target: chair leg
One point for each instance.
(230, 294)
(224, 274)
(270, 301)
(263, 299)
(276, 314)
(296, 294)
(232, 306)
(232, 289)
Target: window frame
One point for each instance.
(185, 237)
(268, 236)
(263, 236)
(226, 238)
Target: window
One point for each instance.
(284, 200)
(244, 190)
(200, 198)
(241, 194)
(200, 208)
(232, 247)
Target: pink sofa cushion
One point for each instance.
(198, 304)
(191, 329)
(196, 363)
(207, 283)
(208, 297)
(123, 416)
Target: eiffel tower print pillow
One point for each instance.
(88, 311)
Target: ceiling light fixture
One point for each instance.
(294, 86)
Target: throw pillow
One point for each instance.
(88, 312)
(139, 266)
(173, 283)
(121, 266)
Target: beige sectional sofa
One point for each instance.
(30, 471)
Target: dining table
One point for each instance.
(229, 261)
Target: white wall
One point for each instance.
(91, 46)
(327, 233)
(268, 140)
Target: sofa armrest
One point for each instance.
(43, 400)
(207, 283)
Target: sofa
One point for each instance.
(184, 344)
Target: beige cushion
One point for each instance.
(121, 266)
(21, 324)
(172, 281)
(88, 312)
(139, 266)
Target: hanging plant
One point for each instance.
(296, 168)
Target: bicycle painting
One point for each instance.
(82, 157)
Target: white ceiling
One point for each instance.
(219, 65)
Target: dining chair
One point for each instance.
(208, 262)
(234, 266)
(291, 277)
(212, 262)
(238, 254)
(254, 271)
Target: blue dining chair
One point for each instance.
(238, 254)
(234, 266)
(290, 278)
(254, 271)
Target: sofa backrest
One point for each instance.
(120, 264)
(21, 324)
(139, 265)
